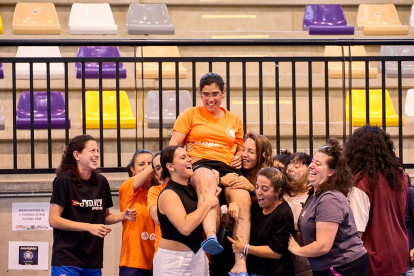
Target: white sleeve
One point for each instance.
(360, 206)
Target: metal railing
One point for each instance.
(275, 61)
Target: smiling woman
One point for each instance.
(138, 237)
(217, 137)
(327, 225)
(179, 251)
(272, 224)
(78, 230)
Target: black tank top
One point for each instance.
(189, 199)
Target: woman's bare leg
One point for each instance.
(204, 179)
(241, 226)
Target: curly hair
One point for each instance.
(283, 158)
(69, 164)
(263, 152)
(341, 180)
(300, 157)
(370, 151)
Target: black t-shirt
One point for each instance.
(274, 230)
(87, 203)
(189, 199)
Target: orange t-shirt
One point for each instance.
(138, 237)
(214, 139)
(153, 194)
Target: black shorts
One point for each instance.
(219, 166)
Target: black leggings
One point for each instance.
(359, 267)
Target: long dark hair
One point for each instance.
(167, 156)
(69, 164)
(341, 180)
(370, 151)
(132, 162)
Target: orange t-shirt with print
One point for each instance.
(153, 194)
(214, 139)
(138, 237)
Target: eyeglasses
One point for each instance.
(208, 95)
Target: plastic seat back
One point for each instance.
(58, 110)
(39, 69)
(409, 103)
(1, 26)
(391, 67)
(92, 19)
(109, 110)
(375, 108)
(358, 67)
(145, 19)
(168, 68)
(92, 68)
(2, 120)
(326, 20)
(35, 18)
(377, 19)
(168, 107)
(411, 20)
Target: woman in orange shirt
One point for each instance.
(153, 194)
(138, 237)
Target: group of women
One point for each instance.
(295, 220)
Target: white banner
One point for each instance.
(27, 255)
(30, 216)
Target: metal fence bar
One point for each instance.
(118, 116)
(261, 97)
(160, 134)
(14, 115)
(326, 101)
(49, 116)
(101, 122)
(310, 84)
(367, 119)
(244, 94)
(400, 116)
(277, 96)
(295, 145)
(32, 138)
(384, 123)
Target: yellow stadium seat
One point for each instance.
(380, 19)
(1, 26)
(109, 110)
(358, 67)
(375, 108)
(168, 68)
(35, 18)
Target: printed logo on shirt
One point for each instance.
(152, 237)
(144, 236)
(207, 144)
(231, 133)
(95, 204)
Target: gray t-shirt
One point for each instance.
(331, 206)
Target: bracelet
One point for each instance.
(246, 250)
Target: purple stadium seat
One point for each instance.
(92, 68)
(326, 20)
(1, 71)
(40, 110)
